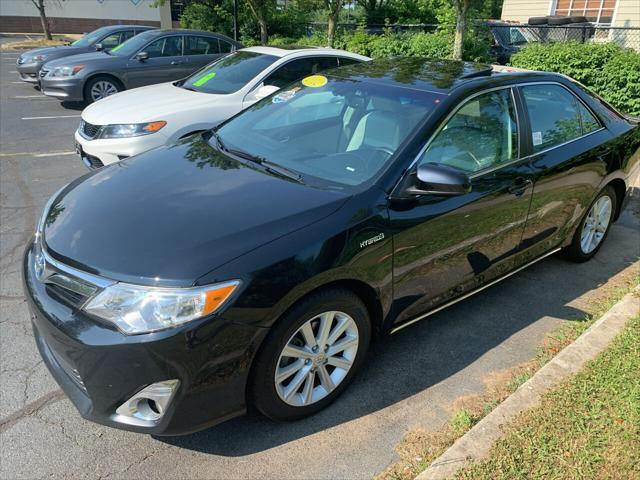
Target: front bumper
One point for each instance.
(99, 368)
(28, 71)
(113, 150)
(65, 88)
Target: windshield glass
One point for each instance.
(340, 131)
(132, 45)
(90, 38)
(230, 73)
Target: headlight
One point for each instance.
(68, 71)
(37, 58)
(137, 309)
(131, 129)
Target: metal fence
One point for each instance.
(516, 35)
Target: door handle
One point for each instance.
(177, 62)
(519, 186)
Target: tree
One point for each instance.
(462, 9)
(39, 4)
(333, 7)
(260, 10)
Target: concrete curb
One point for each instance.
(477, 442)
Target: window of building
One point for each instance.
(597, 11)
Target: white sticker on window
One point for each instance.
(537, 138)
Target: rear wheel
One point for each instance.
(311, 355)
(594, 227)
(101, 87)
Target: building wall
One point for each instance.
(76, 16)
(520, 10)
(627, 14)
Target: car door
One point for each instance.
(165, 62)
(200, 51)
(568, 153)
(448, 245)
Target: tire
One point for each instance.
(577, 251)
(558, 20)
(108, 85)
(537, 21)
(578, 19)
(267, 394)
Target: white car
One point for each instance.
(137, 120)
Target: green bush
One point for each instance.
(608, 69)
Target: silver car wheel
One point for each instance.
(102, 89)
(317, 358)
(596, 224)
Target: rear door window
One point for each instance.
(201, 46)
(553, 115)
(165, 47)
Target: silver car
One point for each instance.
(155, 56)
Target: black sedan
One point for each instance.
(155, 56)
(253, 264)
(104, 38)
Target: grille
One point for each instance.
(43, 72)
(89, 130)
(67, 296)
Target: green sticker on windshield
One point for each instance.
(117, 47)
(204, 79)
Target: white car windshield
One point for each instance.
(339, 131)
(229, 74)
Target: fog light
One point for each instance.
(147, 407)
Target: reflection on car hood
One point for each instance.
(176, 213)
(83, 58)
(146, 104)
(60, 49)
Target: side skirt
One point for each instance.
(473, 292)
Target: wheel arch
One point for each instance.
(105, 75)
(620, 187)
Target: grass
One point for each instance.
(420, 448)
(39, 42)
(589, 427)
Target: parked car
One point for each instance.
(104, 38)
(253, 263)
(110, 130)
(154, 56)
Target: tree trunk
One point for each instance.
(331, 29)
(264, 35)
(44, 21)
(461, 26)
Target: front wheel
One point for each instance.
(594, 227)
(101, 87)
(311, 355)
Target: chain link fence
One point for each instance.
(516, 35)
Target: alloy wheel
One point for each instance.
(102, 89)
(317, 358)
(596, 224)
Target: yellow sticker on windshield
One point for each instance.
(314, 81)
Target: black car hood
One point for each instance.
(172, 214)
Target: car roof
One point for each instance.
(186, 31)
(126, 26)
(428, 74)
(286, 50)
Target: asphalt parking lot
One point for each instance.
(412, 380)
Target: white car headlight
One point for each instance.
(137, 309)
(131, 129)
(37, 58)
(66, 71)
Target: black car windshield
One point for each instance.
(229, 74)
(91, 37)
(134, 44)
(341, 131)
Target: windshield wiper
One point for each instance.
(220, 143)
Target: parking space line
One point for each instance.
(36, 154)
(34, 96)
(13, 71)
(52, 117)
(20, 83)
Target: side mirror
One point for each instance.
(264, 91)
(440, 180)
(99, 47)
(142, 56)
